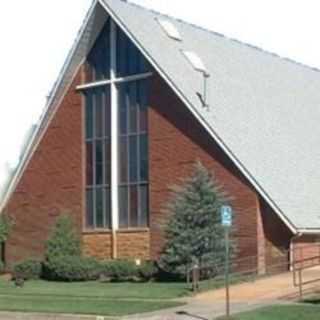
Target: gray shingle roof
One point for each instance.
(265, 110)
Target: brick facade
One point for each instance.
(129, 244)
(306, 251)
(98, 245)
(177, 141)
(276, 239)
(133, 244)
(54, 182)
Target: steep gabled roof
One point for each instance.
(264, 110)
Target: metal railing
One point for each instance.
(249, 269)
(298, 267)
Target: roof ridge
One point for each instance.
(221, 35)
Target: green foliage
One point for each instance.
(148, 270)
(64, 240)
(28, 270)
(119, 270)
(71, 268)
(194, 233)
(6, 224)
(63, 255)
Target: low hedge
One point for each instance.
(148, 270)
(75, 268)
(28, 270)
(126, 270)
(72, 268)
(119, 270)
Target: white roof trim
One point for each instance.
(308, 231)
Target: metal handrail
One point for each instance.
(217, 270)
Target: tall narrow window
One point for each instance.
(132, 137)
(129, 60)
(98, 157)
(133, 157)
(98, 60)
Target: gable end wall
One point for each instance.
(53, 181)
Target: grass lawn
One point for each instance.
(124, 290)
(114, 299)
(295, 312)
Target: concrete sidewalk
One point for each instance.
(273, 288)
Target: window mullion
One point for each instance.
(104, 160)
(114, 130)
(94, 160)
(128, 157)
(138, 107)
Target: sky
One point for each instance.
(37, 35)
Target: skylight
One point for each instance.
(170, 29)
(195, 61)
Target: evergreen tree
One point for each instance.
(194, 233)
(64, 240)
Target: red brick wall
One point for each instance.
(277, 238)
(98, 245)
(177, 141)
(130, 244)
(307, 250)
(51, 184)
(133, 244)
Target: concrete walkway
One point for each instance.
(244, 297)
(206, 306)
(270, 288)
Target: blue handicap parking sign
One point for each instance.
(226, 216)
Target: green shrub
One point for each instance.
(64, 240)
(72, 268)
(28, 270)
(147, 270)
(119, 270)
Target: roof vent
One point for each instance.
(198, 65)
(195, 61)
(171, 31)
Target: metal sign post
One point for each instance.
(226, 221)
